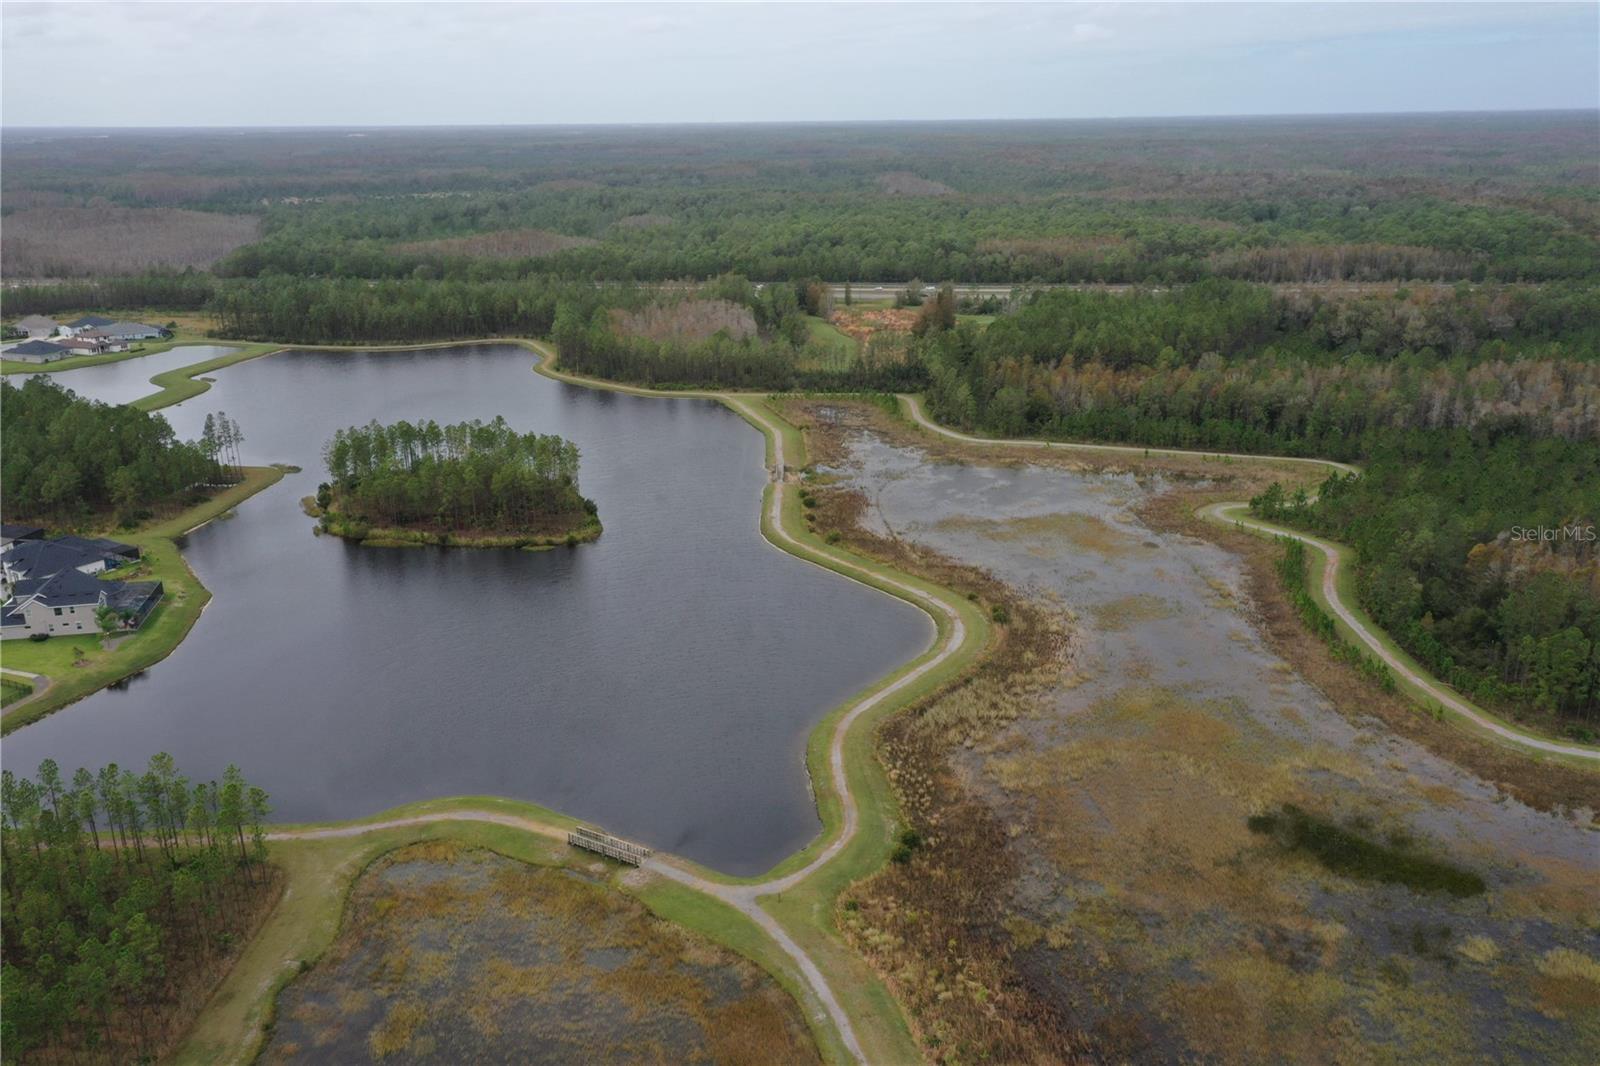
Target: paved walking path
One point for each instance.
(745, 897)
(1220, 512)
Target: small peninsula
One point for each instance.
(471, 484)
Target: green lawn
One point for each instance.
(841, 349)
(12, 691)
(78, 665)
(15, 366)
(183, 383)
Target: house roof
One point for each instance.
(41, 558)
(76, 342)
(36, 347)
(113, 329)
(97, 546)
(12, 531)
(91, 320)
(36, 322)
(66, 589)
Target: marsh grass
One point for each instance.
(449, 955)
(1351, 854)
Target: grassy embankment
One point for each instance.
(807, 910)
(357, 530)
(79, 665)
(327, 867)
(1344, 582)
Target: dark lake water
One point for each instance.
(661, 681)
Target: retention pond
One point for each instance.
(661, 681)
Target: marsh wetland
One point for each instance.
(1207, 858)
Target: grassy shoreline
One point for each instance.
(185, 597)
(337, 525)
(805, 911)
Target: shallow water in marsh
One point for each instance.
(1149, 912)
(661, 681)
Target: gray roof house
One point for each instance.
(89, 322)
(36, 352)
(86, 555)
(10, 532)
(38, 327)
(51, 588)
(129, 331)
(115, 552)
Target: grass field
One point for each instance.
(12, 691)
(78, 666)
(842, 349)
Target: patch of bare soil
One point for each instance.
(864, 323)
(449, 955)
(498, 244)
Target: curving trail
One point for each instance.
(1434, 690)
(1219, 512)
(745, 897)
(40, 683)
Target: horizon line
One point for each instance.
(623, 124)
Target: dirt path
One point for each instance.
(1433, 688)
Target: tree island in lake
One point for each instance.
(477, 484)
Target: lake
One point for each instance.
(660, 682)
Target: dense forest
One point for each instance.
(1472, 411)
(68, 459)
(1234, 366)
(124, 895)
(1439, 197)
(1479, 551)
(471, 476)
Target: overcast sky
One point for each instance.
(230, 64)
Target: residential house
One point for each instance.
(50, 587)
(82, 344)
(10, 533)
(78, 325)
(61, 603)
(107, 342)
(41, 558)
(37, 352)
(38, 327)
(130, 331)
(114, 552)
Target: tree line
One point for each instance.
(67, 459)
(477, 475)
(1479, 553)
(123, 896)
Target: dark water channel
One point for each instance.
(661, 681)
